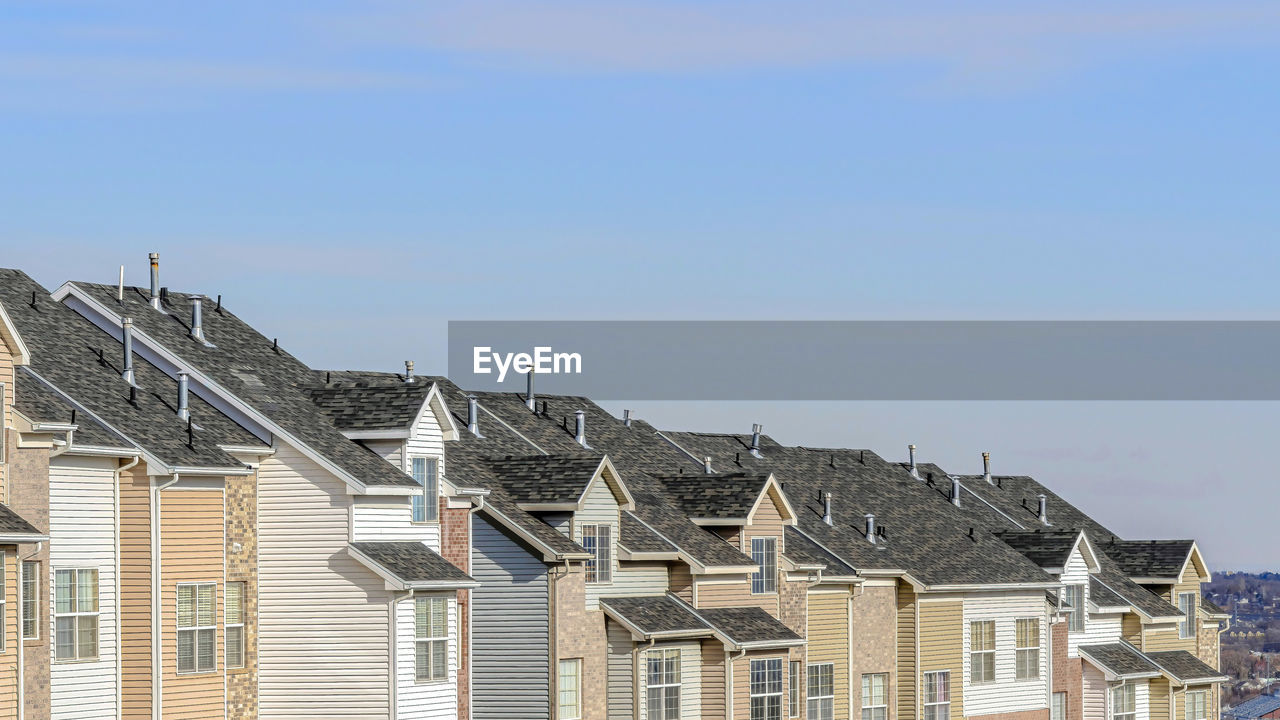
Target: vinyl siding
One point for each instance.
(638, 578)
(6, 414)
(9, 626)
(1101, 630)
(1159, 638)
(908, 675)
(135, 593)
(714, 691)
(1131, 629)
(510, 644)
(742, 680)
(82, 532)
(766, 522)
(942, 641)
(1007, 694)
(690, 679)
(1094, 693)
(1142, 698)
(601, 507)
(828, 633)
(379, 518)
(1158, 699)
(681, 582)
(1076, 572)
(622, 673)
(322, 617)
(714, 591)
(434, 700)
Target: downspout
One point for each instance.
(1048, 632)
(729, 660)
(119, 627)
(65, 446)
(395, 675)
(848, 642)
(635, 674)
(156, 628)
(477, 504)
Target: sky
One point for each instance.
(351, 176)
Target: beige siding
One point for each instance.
(732, 591)
(907, 671)
(1158, 638)
(6, 415)
(828, 633)
(639, 578)
(1159, 698)
(9, 658)
(135, 593)
(1131, 629)
(713, 681)
(942, 643)
(681, 582)
(742, 680)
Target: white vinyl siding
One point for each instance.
(1075, 574)
(638, 578)
(1101, 630)
(600, 508)
(380, 518)
(322, 616)
(82, 535)
(1004, 693)
(690, 680)
(417, 698)
(1094, 694)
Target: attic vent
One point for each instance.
(911, 461)
(986, 468)
(706, 465)
(1044, 509)
(184, 407)
(197, 320)
(126, 331)
(826, 509)
(626, 418)
(580, 428)
(530, 400)
(871, 528)
(473, 416)
(755, 439)
(955, 491)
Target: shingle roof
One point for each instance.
(749, 626)
(413, 563)
(1150, 558)
(1103, 596)
(638, 538)
(545, 479)
(1212, 608)
(722, 496)
(1255, 708)
(801, 549)
(1185, 667)
(1046, 549)
(11, 523)
(39, 403)
(256, 370)
(1121, 659)
(368, 401)
(84, 362)
(656, 615)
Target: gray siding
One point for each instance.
(510, 651)
(621, 673)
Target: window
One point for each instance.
(597, 540)
(571, 689)
(1058, 711)
(431, 639)
(1028, 648)
(662, 685)
(982, 651)
(875, 696)
(822, 692)
(75, 610)
(793, 689)
(1197, 705)
(30, 599)
(1124, 703)
(233, 610)
(766, 689)
(197, 628)
(937, 695)
(764, 552)
(1073, 600)
(1187, 625)
(426, 507)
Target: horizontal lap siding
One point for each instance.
(322, 617)
(742, 680)
(135, 593)
(621, 684)
(719, 591)
(191, 551)
(426, 700)
(1076, 572)
(714, 698)
(942, 645)
(390, 519)
(1095, 694)
(82, 532)
(828, 633)
(1007, 694)
(908, 673)
(601, 507)
(9, 658)
(510, 649)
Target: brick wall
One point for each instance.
(1067, 672)
(874, 643)
(580, 633)
(455, 546)
(28, 493)
(242, 566)
(1024, 715)
(793, 612)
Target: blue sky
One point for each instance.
(352, 176)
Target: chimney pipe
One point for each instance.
(955, 491)
(871, 528)
(580, 428)
(184, 407)
(986, 468)
(626, 418)
(1044, 509)
(408, 372)
(706, 465)
(473, 416)
(755, 439)
(126, 329)
(530, 400)
(197, 320)
(826, 509)
(155, 281)
(911, 454)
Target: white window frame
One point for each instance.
(570, 669)
(668, 676)
(1187, 625)
(198, 632)
(764, 581)
(872, 710)
(432, 672)
(1124, 701)
(1074, 596)
(29, 607)
(228, 625)
(1031, 652)
(1203, 703)
(599, 568)
(767, 690)
(981, 658)
(77, 615)
(937, 706)
(425, 507)
(821, 700)
(793, 688)
(1058, 706)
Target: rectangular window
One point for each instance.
(598, 540)
(75, 610)
(197, 628)
(662, 685)
(431, 639)
(1187, 625)
(982, 651)
(30, 599)
(766, 689)
(1058, 711)
(1197, 705)
(764, 552)
(822, 692)
(571, 689)
(426, 507)
(1124, 702)
(1073, 601)
(875, 696)
(1028, 648)
(937, 695)
(793, 689)
(233, 610)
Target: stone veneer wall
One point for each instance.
(1208, 650)
(27, 489)
(455, 546)
(793, 607)
(242, 566)
(580, 633)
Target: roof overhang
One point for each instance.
(18, 538)
(981, 587)
(773, 490)
(1111, 675)
(9, 333)
(549, 554)
(625, 553)
(387, 434)
(638, 633)
(393, 582)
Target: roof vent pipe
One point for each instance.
(408, 371)
(955, 491)
(197, 320)
(580, 428)
(986, 468)
(126, 329)
(706, 465)
(871, 528)
(473, 416)
(530, 400)
(626, 418)
(120, 287)
(1044, 509)
(755, 439)
(184, 387)
(911, 454)
(826, 509)
(155, 281)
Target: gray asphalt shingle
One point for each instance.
(412, 562)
